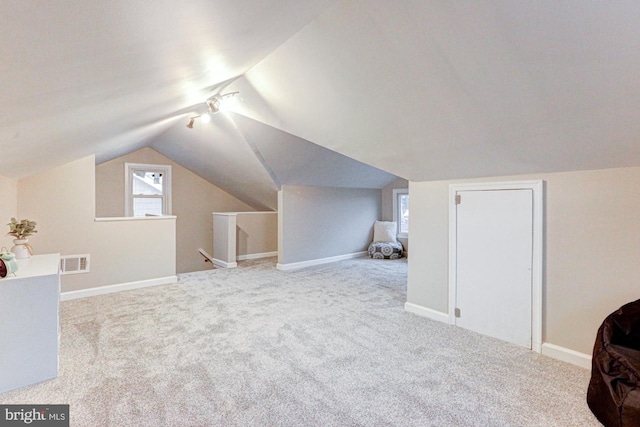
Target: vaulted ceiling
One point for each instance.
(420, 89)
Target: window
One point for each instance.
(147, 190)
(401, 211)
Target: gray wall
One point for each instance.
(322, 222)
(387, 204)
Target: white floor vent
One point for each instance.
(74, 264)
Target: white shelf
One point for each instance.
(37, 265)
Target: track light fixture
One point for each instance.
(192, 121)
(215, 104)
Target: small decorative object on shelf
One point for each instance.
(8, 263)
(21, 230)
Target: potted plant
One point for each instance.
(21, 230)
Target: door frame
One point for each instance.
(537, 187)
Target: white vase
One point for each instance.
(21, 249)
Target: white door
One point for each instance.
(494, 245)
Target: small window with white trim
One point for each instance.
(147, 190)
(401, 211)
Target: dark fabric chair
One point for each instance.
(614, 390)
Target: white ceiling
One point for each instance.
(81, 77)
(417, 88)
(449, 89)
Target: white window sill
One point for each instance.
(133, 218)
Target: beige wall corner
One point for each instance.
(8, 208)
(62, 201)
(193, 201)
(256, 233)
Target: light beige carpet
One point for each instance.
(323, 346)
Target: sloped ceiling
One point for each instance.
(82, 77)
(442, 89)
(251, 160)
(295, 161)
(416, 88)
(218, 153)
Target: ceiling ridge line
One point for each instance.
(258, 154)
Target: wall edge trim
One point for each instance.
(109, 289)
(312, 262)
(223, 264)
(567, 355)
(429, 313)
(257, 255)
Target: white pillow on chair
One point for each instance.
(385, 231)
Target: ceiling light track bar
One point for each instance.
(214, 105)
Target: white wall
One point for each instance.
(8, 208)
(62, 201)
(591, 249)
(224, 239)
(323, 222)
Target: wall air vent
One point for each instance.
(74, 264)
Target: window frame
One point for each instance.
(165, 170)
(397, 193)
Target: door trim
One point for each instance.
(537, 187)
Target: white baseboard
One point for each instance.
(295, 265)
(426, 312)
(256, 256)
(567, 355)
(109, 289)
(555, 351)
(223, 264)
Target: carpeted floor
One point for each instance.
(324, 346)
